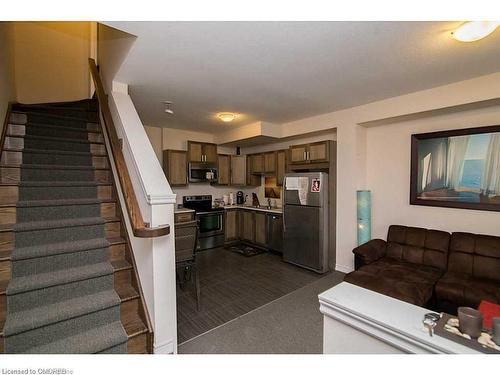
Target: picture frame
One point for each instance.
(456, 168)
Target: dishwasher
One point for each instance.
(274, 231)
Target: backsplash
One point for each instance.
(219, 191)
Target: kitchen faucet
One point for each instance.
(269, 206)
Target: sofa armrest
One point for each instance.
(369, 252)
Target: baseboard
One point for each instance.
(343, 268)
(166, 347)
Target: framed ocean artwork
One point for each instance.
(456, 168)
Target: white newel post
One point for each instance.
(154, 258)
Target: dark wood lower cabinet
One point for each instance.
(248, 226)
(260, 228)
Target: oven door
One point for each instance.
(210, 224)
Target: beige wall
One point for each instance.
(7, 88)
(388, 176)
(51, 61)
(112, 48)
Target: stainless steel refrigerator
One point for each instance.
(305, 215)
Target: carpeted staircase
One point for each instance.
(61, 295)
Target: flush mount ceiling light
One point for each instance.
(168, 107)
(226, 116)
(474, 30)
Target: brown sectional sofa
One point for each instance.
(430, 268)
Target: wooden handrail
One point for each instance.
(139, 228)
(6, 124)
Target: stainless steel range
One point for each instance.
(210, 220)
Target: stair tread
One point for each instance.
(21, 321)
(58, 223)
(46, 106)
(66, 276)
(56, 183)
(134, 326)
(56, 139)
(126, 292)
(90, 341)
(64, 127)
(55, 152)
(7, 250)
(52, 166)
(62, 202)
(120, 265)
(38, 251)
(52, 115)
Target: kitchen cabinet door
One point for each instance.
(280, 167)
(298, 154)
(224, 169)
(248, 226)
(195, 151)
(238, 170)
(257, 163)
(210, 152)
(270, 162)
(231, 231)
(318, 152)
(260, 228)
(252, 179)
(175, 167)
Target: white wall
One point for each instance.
(51, 61)
(7, 88)
(388, 176)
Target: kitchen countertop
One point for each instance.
(274, 210)
(182, 210)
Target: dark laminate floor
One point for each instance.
(232, 285)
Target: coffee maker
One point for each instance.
(240, 197)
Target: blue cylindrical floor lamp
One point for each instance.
(364, 208)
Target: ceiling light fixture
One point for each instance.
(474, 30)
(168, 107)
(226, 116)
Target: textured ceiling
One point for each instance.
(285, 71)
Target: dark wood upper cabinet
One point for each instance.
(280, 166)
(269, 162)
(238, 170)
(317, 152)
(257, 161)
(202, 152)
(224, 169)
(175, 167)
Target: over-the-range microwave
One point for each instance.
(202, 172)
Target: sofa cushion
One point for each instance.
(418, 246)
(405, 281)
(476, 255)
(463, 289)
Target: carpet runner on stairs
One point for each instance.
(60, 298)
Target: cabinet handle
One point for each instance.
(308, 155)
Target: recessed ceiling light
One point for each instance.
(168, 107)
(474, 30)
(226, 116)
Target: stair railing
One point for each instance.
(139, 227)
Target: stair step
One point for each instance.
(54, 139)
(56, 152)
(121, 265)
(50, 115)
(38, 251)
(45, 280)
(95, 340)
(134, 327)
(26, 320)
(53, 166)
(126, 292)
(65, 223)
(61, 202)
(56, 127)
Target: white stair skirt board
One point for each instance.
(360, 321)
